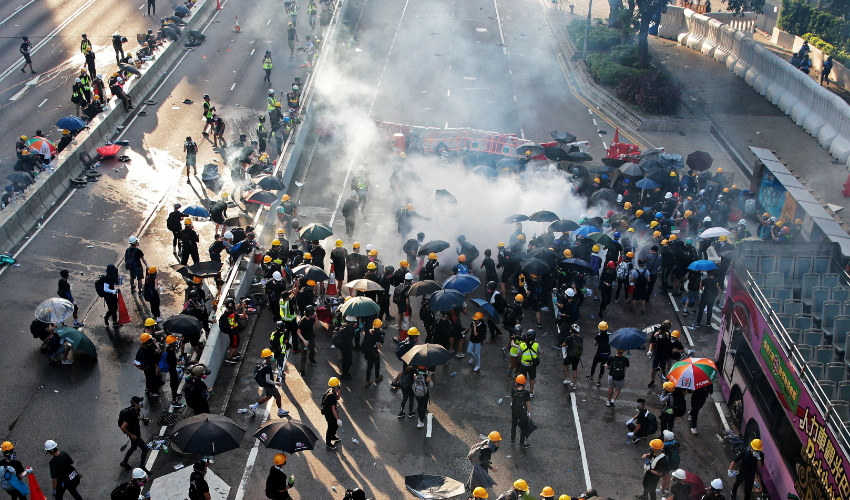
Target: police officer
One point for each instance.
(267, 67)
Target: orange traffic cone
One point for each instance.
(35, 489)
(331, 282)
(237, 29)
(405, 325)
(123, 315)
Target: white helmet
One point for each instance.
(228, 235)
(571, 292)
(717, 484)
(139, 473)
(350, 318)
(679, 474)
(133, 240)
(100, 76)
(77, 81)
(369, 248)
(668, 435)
(575, 328)
(742, 222)
(361, 168)
(271, 91)
(668, 195)
(50, 445)
(277, 276)
(353, 194)
(707, 219)
(408, 276)
(619, 198)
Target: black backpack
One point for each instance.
(98, 285)
(259, 377)
(642, 278)
(325, 408)
(617, 369)
(120, 490)
(576, 347)
(651, 422)
(122, 416)
(129, 257)
(399, 294)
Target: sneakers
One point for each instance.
(524, 445)
(504, 352)
(685, 312)
(539, 325)
(368, 384)
(566, 381)
(67, 362)
(400, 414)
(411, 414)
(460, 355)
(380, 377)
(651, 384)
(313, 363)
(282, 413)
(588, 378)
(573, 387)
(253, 408)
(609, 403)
(544, 309)
(471, 360)
(599, 382)
(77, 324)
(330, 446)
(477, 368)
(420, 424)
(175, 403)
(693, 430)
(159, 320)
(695, 326)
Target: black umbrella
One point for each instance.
(562, 226)
(197, 35)
(543, 216)
(659, 176)
(596, 222)
(20, 178)
(241, 220)
(647, 165)
(427, 355)
(507, 164)
(171, 32)
(602, 169)
(207, 269)
(579, 156)
(435, 246)
(516, 218)
(631, 169)
(546, 255)
(555, 154)
(562, 136)
(426, 287)
(605, 194)
(129, 69)
(260, 197)
(206, 434)
(181, 10)
(311, 272)
(651, 152)
(443, 195)
(529, 149)
(577, 265)
(182, 270)
(534, 266)
(182, 324)
(446, 300)
(316, 231)
(269, 183)
(288, 436)
(699, 161)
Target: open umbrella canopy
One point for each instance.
(316, 231)
(561, 136)
(108, 150)
(40, 145)
(602, 239)
(510, 164)
(529, 149)
(71, 123)
(240, 220)
(602, 169)
(714, 232)
(631, 169)
(427, 355)
(607, 195)
(182, 271)
(543, 216)
(360, 307)
(208, 269)
(20, 178)
(555, 154)
(428, 487)
(626, 339)
(516, 218)
(182, 10)
(535, 266)
(206, 434)
(269, 183)
(485, 171)
(182, 324)
(78, 340)
(647, 184)
(562, 226)
(196, 211)
(425, 287)
(577, 265)
(463, 283)
(444, 196)
(579, 156)
(548, 256)
(311, 272)
(54, 310)
(260, 197)
(699, 161)
(364, 285)
(702, 265)
(697, 486)
(586, 231)
(288, 436)
(487, 308)
(435, 246)
(693, 373)
(446, 300)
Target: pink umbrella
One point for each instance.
(697, 486)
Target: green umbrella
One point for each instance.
(77, 339)
(360, 307)
(316, 231)
(602, 239)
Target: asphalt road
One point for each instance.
(77, 405)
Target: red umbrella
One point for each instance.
(697, 486)
(108, 150)
(260, 196)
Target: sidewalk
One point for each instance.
(742, 118)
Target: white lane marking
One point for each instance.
(141, 6)
(252, 457)
(447, 125)
(510, 72)
(47, 39)
(672, 300)
(522, 133)
(594, 123)
(428, 429)
(589, 112)
(42, 103)
(580, 442)
(233, 86)
(514, 98)
(252, 51)
(499, 21)
(722, 416)
(268, 22)
(17, 11)
(449, 93)
(605, 146)
(688, 335)
(23, 91)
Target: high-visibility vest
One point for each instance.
(208, 111)
(311, 8)
(261, 130)
(86, 81)
(282, 341)
(85, 45)
(361, 183)
(271, 101)
(285, 313)
(267, 64)
(528, 353)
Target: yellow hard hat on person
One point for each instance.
(461, 258)
(275, 243)
(779, 223)
(338, 243)
(355, 245)
(656, 444)
(723, 238)
(6, 446)
(673, 237)
(630, 255)
(187, 221)
(568, 253)
(224, 196)
(669, 386)
(479, 492)
(547, 492)
(267, 259)
(653, 224)
(284, 197)
(371, 265)
(333, 382)
(311, 282)
(66, 131)
(308, 256)
(564, 497)
(280, 232)
(725, 190)
(409, 207)
(798, 221)
(627, 205)
(478, 316)
(501, 244)
(672, 174)
(432, 256)
(519, 297)
(734, 186)
(597, 179)
(494, 436)
(23, 137)
(675, 333)
(520, 379)
(170, 339)
(152, 270)
(373, 252)
(639, 213)
(413, 332)
(521, 237)
(688, 213)
(266, 353)
(280, 459)
(596, 248)
(149, 322)
(376, 323)
(720, 170)
(520, 485)
(145, 336)
(403, 263)
(756, 444)
(630, 230)
(197, 279)
(663, 242)
(603, 325)
(656, 234)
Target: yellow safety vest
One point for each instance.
(528, 353)
(285, 313)
(311, 8)
(267, 64)
(361, 183)
(271, 102)
(282, 341)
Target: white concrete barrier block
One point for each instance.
(787, 102)
(840, 149)
(826, 135)
(812, 123)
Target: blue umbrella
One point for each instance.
(626, 339)
(463, 283)
(647, 184)
(71, 123)
(196, 211)
(702, 265)
(487, 308)
(485, 171)
(446, 300)
(586, 230)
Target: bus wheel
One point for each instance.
(736, 407)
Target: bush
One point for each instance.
(601, 37)
(611, 69)
(798, 18)
(654, 94)
(827, 48)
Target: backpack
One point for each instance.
(672, 452)
(99, 284)
(577, 347)
(238, 234)
(6, 474)
(420, 387)
(406, 381)
(623, 270)
(617, 369)
(402, 349)
(141, 360)
(642, 278)
(129, 257)
(325, 408)
(408, 246)
(473, 253)
(163, 363)
(259, 376)
(120, 490)
(122, 416)
(36, 328)
(399, 293)
(651, 422)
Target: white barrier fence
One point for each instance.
(821, 113)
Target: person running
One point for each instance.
(616, 376)
(64, 291)
(520, 411)
(574, 346)
(330, 401)
(26, 46)
(129, 420)
(264, 375)
(65, 477)
(603, 352)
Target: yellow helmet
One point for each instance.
(145, 336)
(197, 279)
(494, 436)
(672, 174)
(663, 242)
(275, 243)
(627, 205)
(669, 386)
(519, 297)
(266, 353)
(461, 258)
(675, 333)
(653, 224)
(656, 234)
(432, 256)
(798, 221)
(595, 248)
(403, 263)
(149, 322)
(520, 485)
(8, 446)
(720, 170)
(402, 154)
(756, 444)
(688, 214)
(280, 232)
(23, 137)
(371, 265)
(376, 323)
(355, 245)
(267, 259)
(547, 492)
(413, 332)
(673, 237)
(66, 131)
(333, 382)
(409, 207)
(630, 255)
(224, 196)
(187, 221)
(520, 379)
(308, 256)
(479, 492)
(568, 253)
(638, 213)
(725, 190)
(373, 252)
(603, 325)
(280, 459)
(311, 282)
(630, 230)
(170, 339)
(284, 197)
(723, 238)
(152, 270)
(338, 243)
(478, 315)
(734, 186)
(597, 179)
(656, 444)
(501, 244)
(521, 237)
(564, 497)
(779, 223)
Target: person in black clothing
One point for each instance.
(190, 147)
(520, 411)
(442, 330)
(277, 485)
(196, 391)
(660, 346)
(638, 426)
(64, 291)
(306, 333)
(111, 295)
(698, 399)
(129, 421)
(710, 291)
(657, 462)
(190, 240)
(749, 462)
(218, 214)
(175, 218)
(428, 321)
(430, 267)
(198, 487)
(344, 342)
(411, 247)
(495, 298)
(489, 266)
(385, 280)
(674, 405)
(147, 360)
(10, 461)
(26, 45)
(606, 286)
(330, 400)
(371, 349)
(603, 352)
(151, 293)
(66, 139)
(171, 358)
(405, 383)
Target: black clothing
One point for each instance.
(197, 486)
(275, 482)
